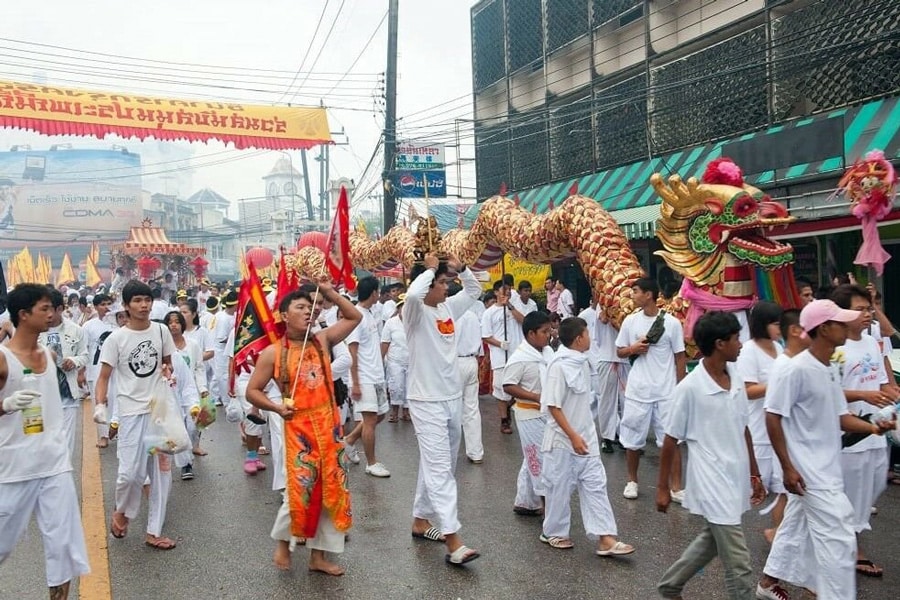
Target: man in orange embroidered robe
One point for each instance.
(316, 502)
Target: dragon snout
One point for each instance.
(772, 210)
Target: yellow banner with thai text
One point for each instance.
(55, 110)
(521, 270)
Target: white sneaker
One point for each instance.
(776, 592)
(677, 497)
(352, 453)
(377, 470)
(631, 490)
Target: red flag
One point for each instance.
(286, 283)
(254, 325)
(337, 257)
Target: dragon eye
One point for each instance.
(745, 206)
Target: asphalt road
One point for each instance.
(222, 520)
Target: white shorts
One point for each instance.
(769, 469)
(373, 400)
(497, 382)
(637, 418)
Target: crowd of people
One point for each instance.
(784, 403)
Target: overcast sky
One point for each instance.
(266, 40)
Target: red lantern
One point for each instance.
(259, 257)
(313, 239)
(199, 265)
(147, 266)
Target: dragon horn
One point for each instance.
(676, 193)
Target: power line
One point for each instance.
(305, 54)
(322, 47)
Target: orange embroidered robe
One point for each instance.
(314, 454)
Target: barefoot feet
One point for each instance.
(282, 555)
(318, 562)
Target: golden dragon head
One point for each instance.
(702, 224)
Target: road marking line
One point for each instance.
(96, 585)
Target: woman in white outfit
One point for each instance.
(203, 339)
(190, 384)
(395, 353)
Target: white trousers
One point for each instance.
(471, 410)
(611, 379)
(395, 379)
(769, 469)
(135, 466)
(210, 366)
(563, 473)
(183, 459)
(864, 482)
(438, 432)
(529, 487)
(815, 546)
(54, 502)
(218, 384)
(328, 539)
(70, 423)
(276, 447)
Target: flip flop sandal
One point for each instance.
(617, 549)
(392, 419)
(461, 556)
(560, 543)
(161, 543)
(432, 533)
(263, 451)
(869, 569)
(117, 531)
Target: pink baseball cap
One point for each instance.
(820, 311)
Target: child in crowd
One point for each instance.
(571, 448)
(710, 412)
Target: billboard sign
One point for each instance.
(411, 184)
(416, 156)
(68, 196)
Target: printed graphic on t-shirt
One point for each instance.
(143, 360)
(866, 369)
(100, 341)
(446, 327)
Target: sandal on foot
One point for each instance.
(432, 533)
(392, 419)
(560, 543)
(117, 531)
(617, 549)
(263, 451)
(461, 556)
(867, 568)
(160, 543)
(528, 512)
(505, 426)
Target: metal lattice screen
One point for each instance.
(528, 145)
(524, 21)
(717, 92)
(833, 53)
(488, 56)
(570, 138)
(491, 159)
(566, 20)
(607, 10)
(620, 122)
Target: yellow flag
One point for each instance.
(66, 273)
(12, 273)
(26, 266)
(48, 268)
(92, 276)
(94, 254)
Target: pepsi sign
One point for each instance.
(411, 184)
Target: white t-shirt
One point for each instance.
(712, 420)
(28, 457)
(525, 368)
(884, 342)
(206, 318)
(95, 332)
(809, 398)
(652, 376)
(515, 300)
(603, 337)
(136, 358)
(468, 333)
(224, 325)
(394, 334)
(566, 304)
(492, 326)
(192, 356)
(755, 366)
(567, 385)
(187, 384)
(387, 310)
(370, 367)
(431, 336)
(861, 367)
(159, 309)
(203, 338)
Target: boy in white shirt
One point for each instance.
(710, 412)
(140, 354)
(571, 449)
(815, 545)
(866, 388)
(522, 381)
(658, 365)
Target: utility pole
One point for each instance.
(390, 118)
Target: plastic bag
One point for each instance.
(207, 414)
(166, 433)
(234, 412)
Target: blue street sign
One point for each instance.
(410, 184)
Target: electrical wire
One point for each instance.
(305, 54)
(322, 47)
